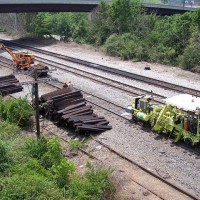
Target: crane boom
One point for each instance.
(2, 46)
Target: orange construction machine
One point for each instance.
(22, 60)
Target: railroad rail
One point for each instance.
(118, 72)
(128, 89)
(60, 84)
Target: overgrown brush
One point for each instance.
(4, 158)
(16, 111)
(94, 184)
(126, 46)
(37, 169)
(8, 130)
(29, 186)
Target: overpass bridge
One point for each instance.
(161, 7)
(8, 6)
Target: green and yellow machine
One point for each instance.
(179, 116)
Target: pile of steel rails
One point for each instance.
(69, 108)
(9, 84)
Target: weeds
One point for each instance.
(8, 131)
(76, 144)
(16, 111)
(4, 159)
(95, 184)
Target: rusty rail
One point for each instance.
(9, 85)
(69, 108)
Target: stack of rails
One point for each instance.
(70, 108)
(9, 84)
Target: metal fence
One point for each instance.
(175, 3)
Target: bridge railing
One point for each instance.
(174, 3)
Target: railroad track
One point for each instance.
(59, 85)
(118, 72)
(174, 187)
(125, 88)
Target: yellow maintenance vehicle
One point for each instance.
(22, 60)
(178, 117)
(25, 61)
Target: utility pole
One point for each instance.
(34, 84)
(37, 116)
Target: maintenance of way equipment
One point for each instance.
(178, 117)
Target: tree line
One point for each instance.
(124, 29)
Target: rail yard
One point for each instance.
(155, 165)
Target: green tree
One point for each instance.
(100, 26)
(42, 24)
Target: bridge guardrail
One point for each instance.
(177, 4)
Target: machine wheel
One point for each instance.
(188, 141)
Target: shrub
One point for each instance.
(36, 148)
(53, 155)
(8, 131)
(126, 46)
(62, 172)
(47, 151)
(32, 166)
(162, 54)
(28, 186)
(17, 111)
(95, 184)
(191, 55)
(4, 159)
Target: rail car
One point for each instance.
(179, 116)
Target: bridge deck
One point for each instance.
(80, 6)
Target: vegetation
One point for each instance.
(32, 168)
(75, 144)
(16, 111)
(92, 185)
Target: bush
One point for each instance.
(62, 172)
(32, 166)
(95, 184)
(191, 55)
(28, 186)
(36, 169)
(126, 46)
(4, 159)
(17, 111)
(162, 54)
(36, 148)
(47, 151)
(8, 131)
